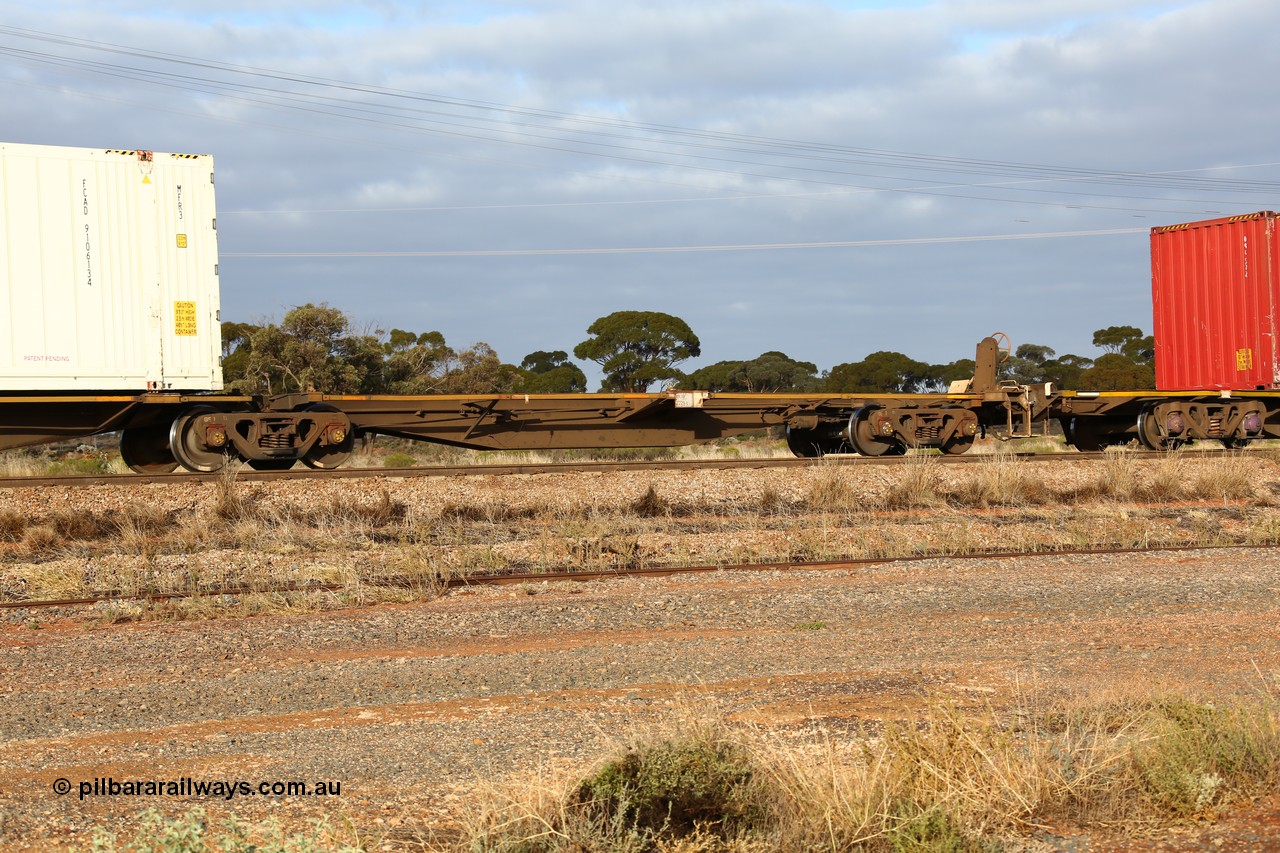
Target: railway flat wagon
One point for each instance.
(109, 303)
(109, 322)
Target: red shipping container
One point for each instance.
(1215, 292)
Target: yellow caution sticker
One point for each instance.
(184, 319)
(182, 241)
(1244, 359)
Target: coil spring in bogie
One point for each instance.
(275, 440)
(928, 434)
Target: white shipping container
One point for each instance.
(108, 271)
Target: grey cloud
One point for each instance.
(1094, 86)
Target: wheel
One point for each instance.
(146, 449)
(1085, 436)
(1149, 433)
(271, 464)
(866, 442)
(187, 446)
(1233, 443)
(329, 456)
(803, 442)
(957, 445)
(1090, 435)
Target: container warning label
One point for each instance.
(184, 319)
(182, 241)
(1244, 359)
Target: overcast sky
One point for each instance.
(828, 179)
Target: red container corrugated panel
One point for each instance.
(1214, 296)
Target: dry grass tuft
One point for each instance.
(488, 513)
(1168, 482)
(1234, 477)
(230, 503)
(41, 539)
(1125, 477)
(832, 490)
(651, 504)
(13, 525)
(1002, 480)
(382, 512)
(470, 512)
(918, 485)
(957, 781)
(771, 501)
(1119, 477)
(82, 526)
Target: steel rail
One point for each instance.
(247, 474)
(583, 575)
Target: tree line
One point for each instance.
(315, 348)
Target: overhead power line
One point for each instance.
(647, 144)
(645, 250)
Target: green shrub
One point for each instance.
(931, 831)
(81, 466)
(399, 460)
(1198, 753)
(673, 788)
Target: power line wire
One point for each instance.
(486, 113)
(644, 250)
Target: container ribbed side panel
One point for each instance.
(108, 271)
(1213, 298)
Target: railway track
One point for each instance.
(504, 578)
(247, 474)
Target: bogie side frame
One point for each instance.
(160, 432)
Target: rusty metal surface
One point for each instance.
(545, 422)
(875, 424)
(30, 419)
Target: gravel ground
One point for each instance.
(410, 706)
